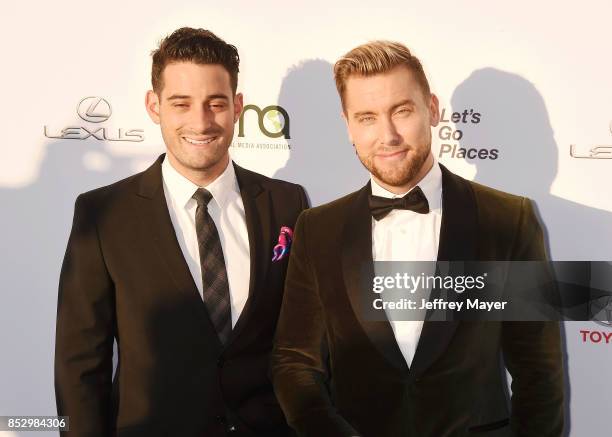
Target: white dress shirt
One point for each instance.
(405, 235)
(227, 211)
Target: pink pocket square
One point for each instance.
(281, 250)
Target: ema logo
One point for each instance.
(273, 121)
(95, 109)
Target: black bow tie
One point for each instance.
(415, 201)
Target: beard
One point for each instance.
(400, 174)
(204, 160)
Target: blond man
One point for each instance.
(336, 373)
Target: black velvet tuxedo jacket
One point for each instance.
(124, 277)
(336, 374)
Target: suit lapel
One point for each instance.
(458, 239)
(257, 211)
(158, 228)
(358, 267)
(458, 232)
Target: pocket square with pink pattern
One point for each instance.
(281, 250)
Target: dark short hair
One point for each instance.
(200, 46)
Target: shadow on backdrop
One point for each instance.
(322, 158)
(515, 120)
(34, 232)
(514, 114)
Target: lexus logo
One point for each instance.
(94, 109)
(595, 152)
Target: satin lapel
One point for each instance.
(357, 267)
(257, 211)
(158, 227)
(458, 239)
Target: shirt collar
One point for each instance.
(431, 185)
(181, 189)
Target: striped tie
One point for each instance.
(214, 275)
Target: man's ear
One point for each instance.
(434, 110)
(152, 105)
(238, 106)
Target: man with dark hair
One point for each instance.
(178, 264)
(337, 373)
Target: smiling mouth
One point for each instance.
(199, 142)
(392, 155)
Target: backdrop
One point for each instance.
(526, 102)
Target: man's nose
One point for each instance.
(202, 118)
(389, 135)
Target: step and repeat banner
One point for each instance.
(526, 100)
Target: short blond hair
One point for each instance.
(377, 57)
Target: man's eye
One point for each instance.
(404, 111)
(366, 119)
(180, 105)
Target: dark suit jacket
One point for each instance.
(455, 385)
(124, 277)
